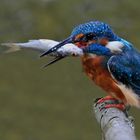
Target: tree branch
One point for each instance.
(115, 124)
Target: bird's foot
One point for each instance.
(106, 98)
(110, 102)
(120, 106)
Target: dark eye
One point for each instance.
(89, 36)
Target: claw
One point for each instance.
(107, 98)
(110, 102)
(120, 106)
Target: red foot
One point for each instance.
(105, 99)
(111, 102)
(119, 106)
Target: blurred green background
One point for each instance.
(54, 103)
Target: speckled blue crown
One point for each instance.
(100, 29)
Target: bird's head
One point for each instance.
(94, 32)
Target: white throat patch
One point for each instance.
(115, 46)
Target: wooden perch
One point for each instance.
(115, 124)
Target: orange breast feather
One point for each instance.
(97, 72)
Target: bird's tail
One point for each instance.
(12, 47)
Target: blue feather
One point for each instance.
(97, 49)
(100, 29)
(125, 68)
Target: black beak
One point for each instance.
(54, 60)
(54, 49)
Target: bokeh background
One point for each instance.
(54, 103)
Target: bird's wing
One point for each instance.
(125, 68)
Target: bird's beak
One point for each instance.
(55, 48)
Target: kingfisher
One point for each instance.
(110, 61)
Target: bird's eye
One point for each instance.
(89, 36)
(84, 38)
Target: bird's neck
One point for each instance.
(125, 42)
